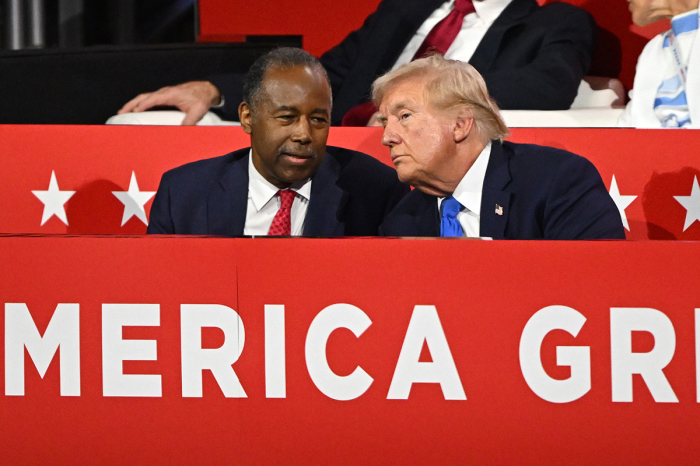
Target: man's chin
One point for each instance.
(296, 175)
(405, 175)
(644, 20)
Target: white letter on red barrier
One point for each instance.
(195, 359)
(20, 332)
(623, 321)
(115, 350)
(425, 327)
(275, 368)
(331, 318)
(577, 357)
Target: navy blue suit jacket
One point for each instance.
(544, 193)
(351, 194)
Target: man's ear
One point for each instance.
(246, 117)
(463, 124)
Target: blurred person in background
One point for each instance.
(666, 91)
(532, 57)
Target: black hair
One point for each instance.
(284, 57)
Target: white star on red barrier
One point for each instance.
(691, 204)
(53, 200)
(134, 201)
(621, 202)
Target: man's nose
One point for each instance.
(302, 131)
(390, 137)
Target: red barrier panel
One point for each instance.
(606, 331)
(655, 166)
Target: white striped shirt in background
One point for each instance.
(671, 103)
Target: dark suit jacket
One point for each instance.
(532, 57)
(351, 194)
(544, 193)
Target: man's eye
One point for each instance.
(319, 120)
(405, 115)
(286, 117)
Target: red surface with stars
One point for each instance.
(655, 166)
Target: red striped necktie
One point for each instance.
(282, 223)
(444, 33)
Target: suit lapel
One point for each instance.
(487, 50)
(495, 202)
(327, 201)
(228, 201)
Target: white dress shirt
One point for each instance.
(653, 67)
(473, 30)
(263, 204)
(468, 193)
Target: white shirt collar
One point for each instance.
(489, 10)
(486, 10)
(262, 191)
(468, 191)
(683, 15)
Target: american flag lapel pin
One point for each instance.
(499, 210)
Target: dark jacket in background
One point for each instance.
(532, 57)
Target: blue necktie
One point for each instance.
(449, 226)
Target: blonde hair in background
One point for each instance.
(449, 84)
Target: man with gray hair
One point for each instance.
(446, 139)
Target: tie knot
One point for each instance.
(286, 198)
(464, 6)
(450, 207)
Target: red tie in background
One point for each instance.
(438, 40)
(445, 32)
(282, 224)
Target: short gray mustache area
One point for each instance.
(297, 151)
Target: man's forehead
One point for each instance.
(406, 93)
(302, 76)
(281, 84)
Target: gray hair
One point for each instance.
(449, 84)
